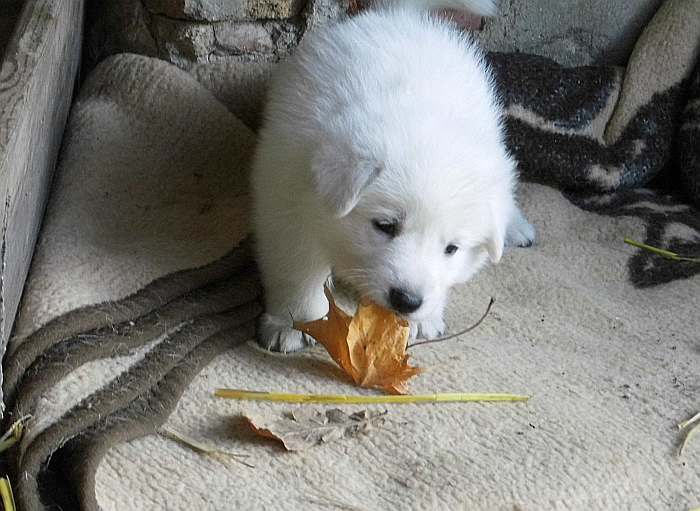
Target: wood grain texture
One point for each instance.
(37, 77)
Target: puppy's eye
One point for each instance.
(388, 227)
(451, 249)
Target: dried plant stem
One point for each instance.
(13, 435)
(6, 495)
(695, 418)
(346, 399)
(661, 252)
(688, 429)
(462, 332)
(201, 448)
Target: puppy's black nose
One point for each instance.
(403, 301)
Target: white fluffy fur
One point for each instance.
(390, 115)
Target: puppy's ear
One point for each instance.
(500, 213)
(494, 246)
(339, 178)
(502, 204)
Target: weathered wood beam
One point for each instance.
(37, 76)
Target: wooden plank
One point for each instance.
(37, 77)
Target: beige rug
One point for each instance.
(142, 287)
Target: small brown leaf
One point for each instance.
(305, 428)
(369, 346)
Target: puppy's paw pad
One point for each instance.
(520, 233)
(427, 329)
(275, 334)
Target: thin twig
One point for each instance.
(14, 434)
(284, 397)
(685, 438)
(202, 448)
(452, 336)
(661, 252)
(695, 418)
(688, 429)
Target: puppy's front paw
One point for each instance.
(520, 232)
(276, 334)
(427, 329)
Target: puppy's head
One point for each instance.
(407, 225)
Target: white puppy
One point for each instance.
(381, 161)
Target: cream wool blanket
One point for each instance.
(141, 299)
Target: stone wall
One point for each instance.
(230, 45)
(187, 32)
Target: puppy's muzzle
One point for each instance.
(404, 302)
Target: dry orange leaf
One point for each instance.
(369, 346)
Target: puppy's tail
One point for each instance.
(480, 7)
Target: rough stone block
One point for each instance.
(219, 10)
(271, 37)
(180, 41)
(243, 38)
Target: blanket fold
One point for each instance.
(142, 274)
